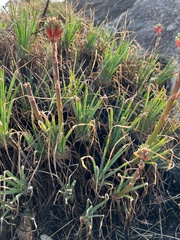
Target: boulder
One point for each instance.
(105, 8)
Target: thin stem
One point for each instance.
(57, 86)
(59, 107)
(174, 95)
(32, 102)
(55, 62)
(131, 184)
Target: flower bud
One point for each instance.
(53, 29)
(158, 28)
(177, 40)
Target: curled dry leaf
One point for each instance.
(24, 230)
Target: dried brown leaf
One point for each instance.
(24, 230)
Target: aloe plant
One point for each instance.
(112, 58)
(67, 190)
(55, 132)
(72, 26)
(92, 37)
(154, 103)
(85, 110)
(12, 188)
(7, 97)
(122, 119)
(90, 213)
(25, 26)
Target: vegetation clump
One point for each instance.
(86, 127)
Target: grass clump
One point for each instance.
(90, 122)
(7, 97)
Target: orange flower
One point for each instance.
(158, 28)
(177, 40)
(53, 29)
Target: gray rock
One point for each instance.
(105, 8)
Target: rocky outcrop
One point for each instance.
(141, 16)
(105, 8)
